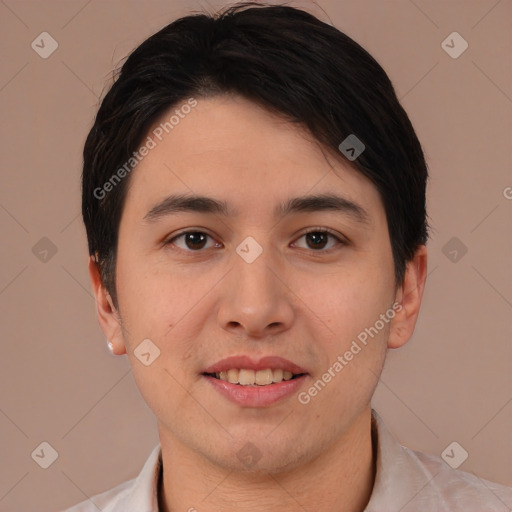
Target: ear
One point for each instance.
(108, 316)
(409, 295)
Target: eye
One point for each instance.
(194, 241)
(317, 239)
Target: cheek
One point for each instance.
(170, 307)
(355, 346)
(148, 301)
(348, 304)
(353, 357)
(161, 387)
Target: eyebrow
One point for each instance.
(312, 203)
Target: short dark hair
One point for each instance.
(283, 59)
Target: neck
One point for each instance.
(339, 479)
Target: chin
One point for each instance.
(260, 457)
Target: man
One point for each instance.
(254, 199)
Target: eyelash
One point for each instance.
(340, 241)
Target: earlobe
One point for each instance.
(409, 296)
(108, 315)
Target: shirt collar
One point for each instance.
(143, 494)
(400, 478)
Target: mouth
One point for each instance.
(250, 383)
(248, 377)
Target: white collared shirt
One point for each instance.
(405, 481)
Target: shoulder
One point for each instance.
(409, 480)
(131, 496)
(460, 489)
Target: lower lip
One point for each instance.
(257, 396)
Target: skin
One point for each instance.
(200, 305)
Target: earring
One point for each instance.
(110, 347)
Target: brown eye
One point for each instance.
(317, 239)
(192, 241)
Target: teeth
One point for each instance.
(233, 376)
(277, 375)
(263, 377)
(246, 377)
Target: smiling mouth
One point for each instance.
(247, 377)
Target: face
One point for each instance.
(296, 283)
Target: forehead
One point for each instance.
(231, 147)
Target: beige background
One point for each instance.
(59, 383)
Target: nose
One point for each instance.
(256, 301)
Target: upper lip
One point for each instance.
(246, 362)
